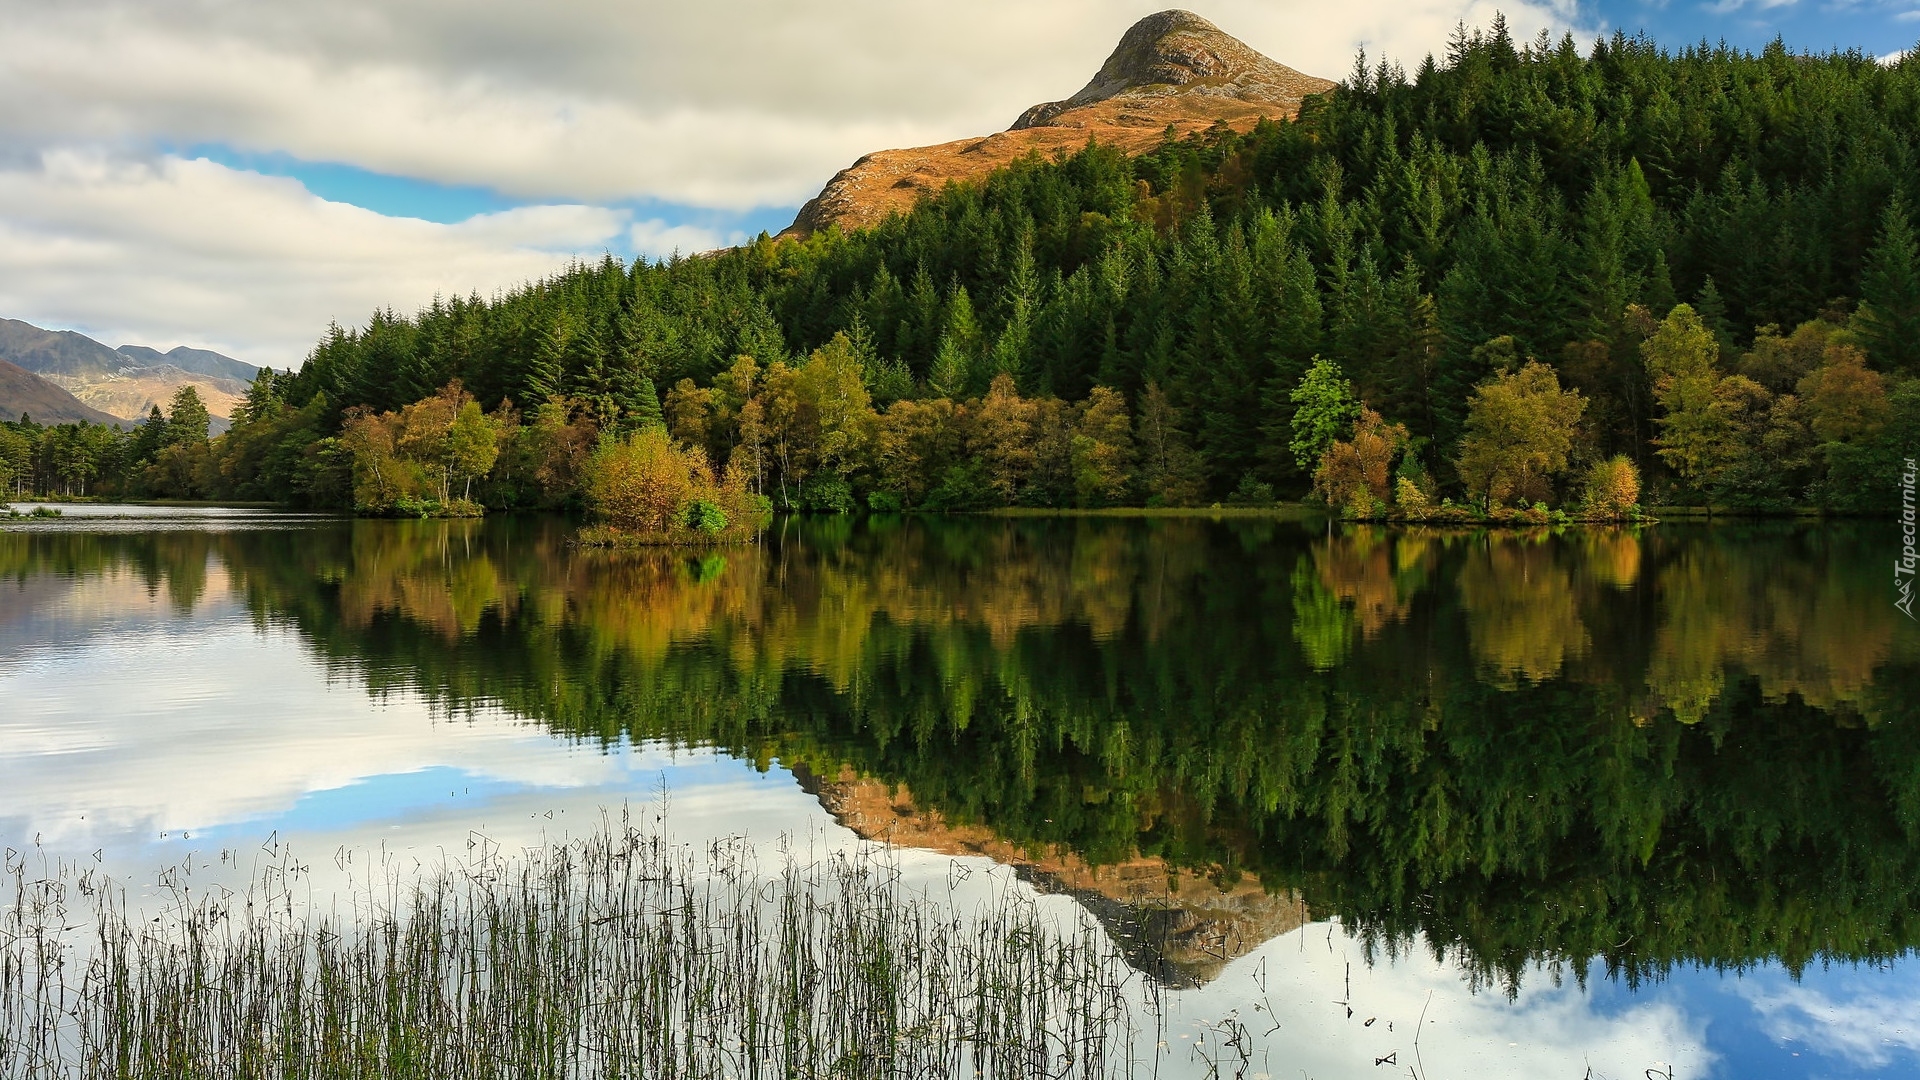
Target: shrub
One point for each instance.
(1408, 496)
(1251, 492)
(827, 493)
(1612, 489)
(964, 487)
(703, 515)
(650, 490)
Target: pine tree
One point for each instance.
(961, 325)
(588, 373)
(1414, 344)
(922, 322)
(1889, 318)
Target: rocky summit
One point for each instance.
(1173, 69)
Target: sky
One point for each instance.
(236, 174)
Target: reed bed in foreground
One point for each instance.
(620, 955)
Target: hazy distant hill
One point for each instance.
(21, 391)
(56, 352)
(128, 381)
(198, 361)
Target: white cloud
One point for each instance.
(1728, 7)
(656, 239)
(729, 103)
(1302, 983)
(175, 251)
(1870, 1031)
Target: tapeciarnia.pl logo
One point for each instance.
(1903, 567)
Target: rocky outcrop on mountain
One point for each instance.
(1177, 926)
(1177, 54)
(129, 381)
(1174, 70)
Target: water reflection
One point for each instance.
(1682, 745)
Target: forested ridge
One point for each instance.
(1709, 255)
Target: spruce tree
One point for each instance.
(187, 417)
(951, 370)
(1889, 318)
(547, 366)
(643, 410)
(1712, 309)
(148, 439)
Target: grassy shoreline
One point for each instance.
(618, 954)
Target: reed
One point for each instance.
(617, 955)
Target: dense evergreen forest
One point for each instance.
(1519, 262)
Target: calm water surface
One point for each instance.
(1604, 801)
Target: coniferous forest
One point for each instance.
(1519, 275)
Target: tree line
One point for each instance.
(1531, 267)
(169, 453)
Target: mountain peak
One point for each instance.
(1179, 53)
(1172, 72)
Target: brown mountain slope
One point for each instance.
(1171, 69)
(134, 391)
(1178, 927)
(128, 381)
(21, 391)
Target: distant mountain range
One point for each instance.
(122, 383)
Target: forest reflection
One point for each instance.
(1679, 745)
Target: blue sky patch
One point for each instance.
(1875, 27)
(1842, 1022)
(448, 204)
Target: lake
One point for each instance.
(1601, 802)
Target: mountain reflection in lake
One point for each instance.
(1646, 788)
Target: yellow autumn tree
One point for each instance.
(1003, 436)
(1353, 471)
(1611, 490)
(644, 482)
(652, 490)
(915, 442)
(1680, 358)
(1102, 449)
(1520, 429)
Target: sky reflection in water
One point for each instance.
(334, 685)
